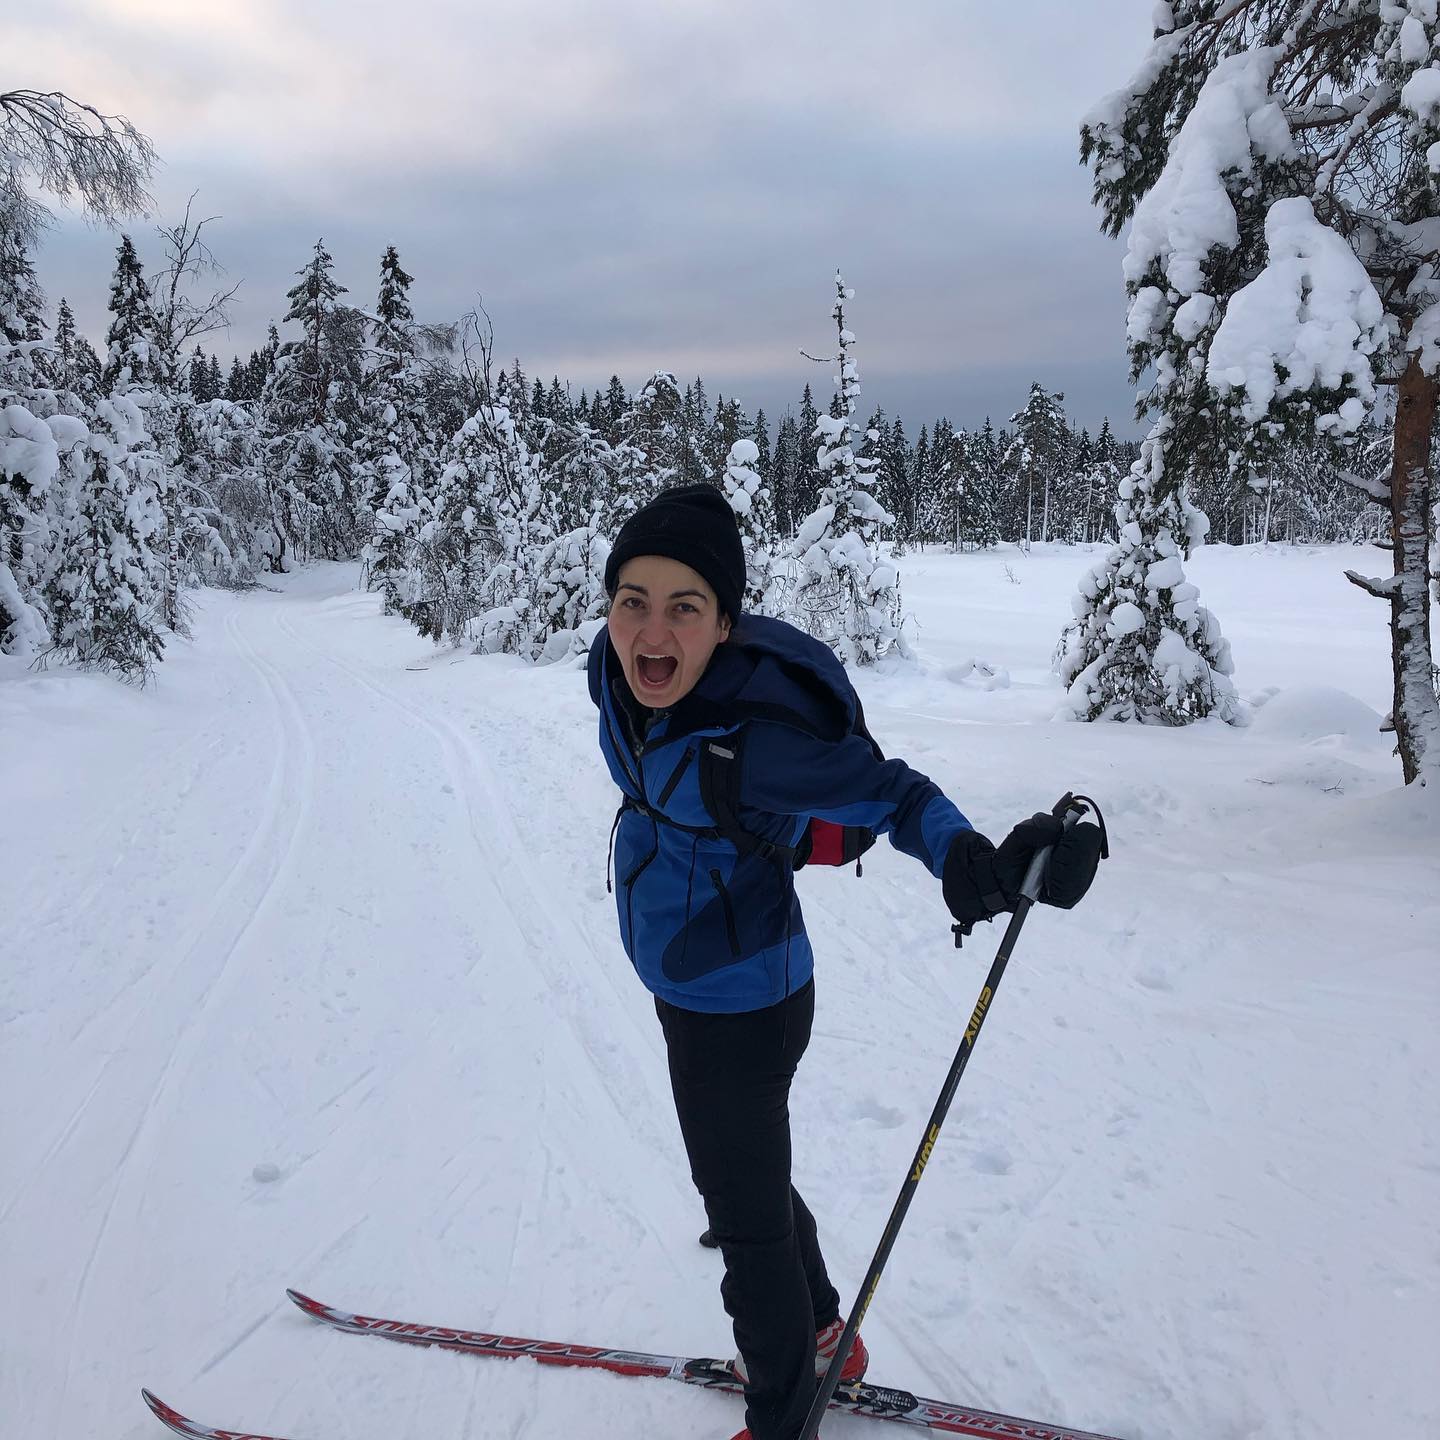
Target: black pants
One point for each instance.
(731, 1077)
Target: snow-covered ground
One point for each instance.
(310, 978)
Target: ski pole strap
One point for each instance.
(1068, 809)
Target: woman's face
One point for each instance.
(665, 623)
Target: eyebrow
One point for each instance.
(674, 594)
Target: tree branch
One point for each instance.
(1377, 490)
(1381, 589)
(70, 148)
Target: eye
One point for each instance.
(687, 608)
(631, 602)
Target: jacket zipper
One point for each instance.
(675, 775)
(724, 894)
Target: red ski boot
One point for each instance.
(827, 1341)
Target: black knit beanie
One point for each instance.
(695, 525)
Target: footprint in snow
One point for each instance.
(992, 1161)
(885, 1116)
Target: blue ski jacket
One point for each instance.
(707, 927)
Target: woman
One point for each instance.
(728, 736)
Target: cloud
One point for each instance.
(630, 185)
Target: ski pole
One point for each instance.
(1068, 809)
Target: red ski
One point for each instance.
(875, 1402)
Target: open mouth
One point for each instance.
(656, 671)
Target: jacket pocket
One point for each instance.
(730, 931)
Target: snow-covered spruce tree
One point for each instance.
(478, 554)
(750, 500)
(653, 425)
(896, 484)
(923, 483)
(308, 404)
(843, 592)
(30, 456)
(456, 547)
(515, 488)
(1277, 163)
(790, 448)
(130, 360)
(222, 472)
(107, 589)
(808, 478)
(396, 457)
(1099, 480)
(570, 590)
(933, 462)
(193, 540)
(764, 457)
(49, 143)
(1035, 460)
(975, 474)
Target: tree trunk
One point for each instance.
(1417, 712)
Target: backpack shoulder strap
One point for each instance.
(719, 776)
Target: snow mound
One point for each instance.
(1316, 712)
(979, 672)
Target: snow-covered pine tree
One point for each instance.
(749, 498)
(1278, 168)
(844, 593)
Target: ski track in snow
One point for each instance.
(333, 901)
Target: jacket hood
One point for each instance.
(766, 670)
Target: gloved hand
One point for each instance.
(980, 881)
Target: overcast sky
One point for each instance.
(632, 186)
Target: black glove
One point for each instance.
(980, 881)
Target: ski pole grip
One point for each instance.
(1069, 810)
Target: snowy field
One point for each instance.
(310, 978)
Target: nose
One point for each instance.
(653, 632)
